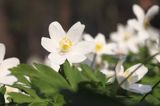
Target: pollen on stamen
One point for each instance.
(65, 44)
(98, 47)
(126, 74)
(146, 23)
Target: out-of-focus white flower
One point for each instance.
(110, 74)
(100, 47)
(142, 23)
(64, 45)
(6, 64)
(9, 90)
(131, 83)
(99, 44)
(126, 39)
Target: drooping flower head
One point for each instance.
(131, 83)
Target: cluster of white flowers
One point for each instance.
(75, 46)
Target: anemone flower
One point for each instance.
(66, 45)
(142, 23)
(131, 83)
(126, 39)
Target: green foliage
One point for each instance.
(40, 85)
(2, 92)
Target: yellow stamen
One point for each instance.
(65, 44)
(146, 23)
(126, 36)
(126, 74)
(98, 47)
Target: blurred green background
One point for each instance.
(24, 22)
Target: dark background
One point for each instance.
(24, 22)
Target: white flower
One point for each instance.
(64, 45)
(99, 44)
(126, 39)
(142, 23)
(131, 83)
(6, 64)
(9, 90)
(110, 74)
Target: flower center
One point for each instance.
(146, 23)
(65, 44)
(126, 74)
(126, 36)
(98, 47)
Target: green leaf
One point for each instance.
(28, 91)
(72, 74)
(89, 73)
(2, 92)
(52, 77)
(21, 98)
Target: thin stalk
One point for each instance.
(93, 61)
(154, 86)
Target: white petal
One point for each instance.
(139, 12)
(111, 80)
(119, 67)
(4, 73)
(75, 32)
(9, 63)
(143, 35)
(100, 38)
(57, 58)
(8, 80)
(121, 28)
(56, 31)
(9, 90)
(110, 48)
(138, 74)
(88, 37)
(133, 47)
(76, 58)
(2, 51)
(49, 44)
(52, 64)
(139, 88)
(152, 11)
(83, 47)
(56, 67)
(134, 24)
(114, 36)
(108, 73)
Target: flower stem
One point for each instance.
(154, 86)
(93, 61)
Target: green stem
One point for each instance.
(93, 61)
